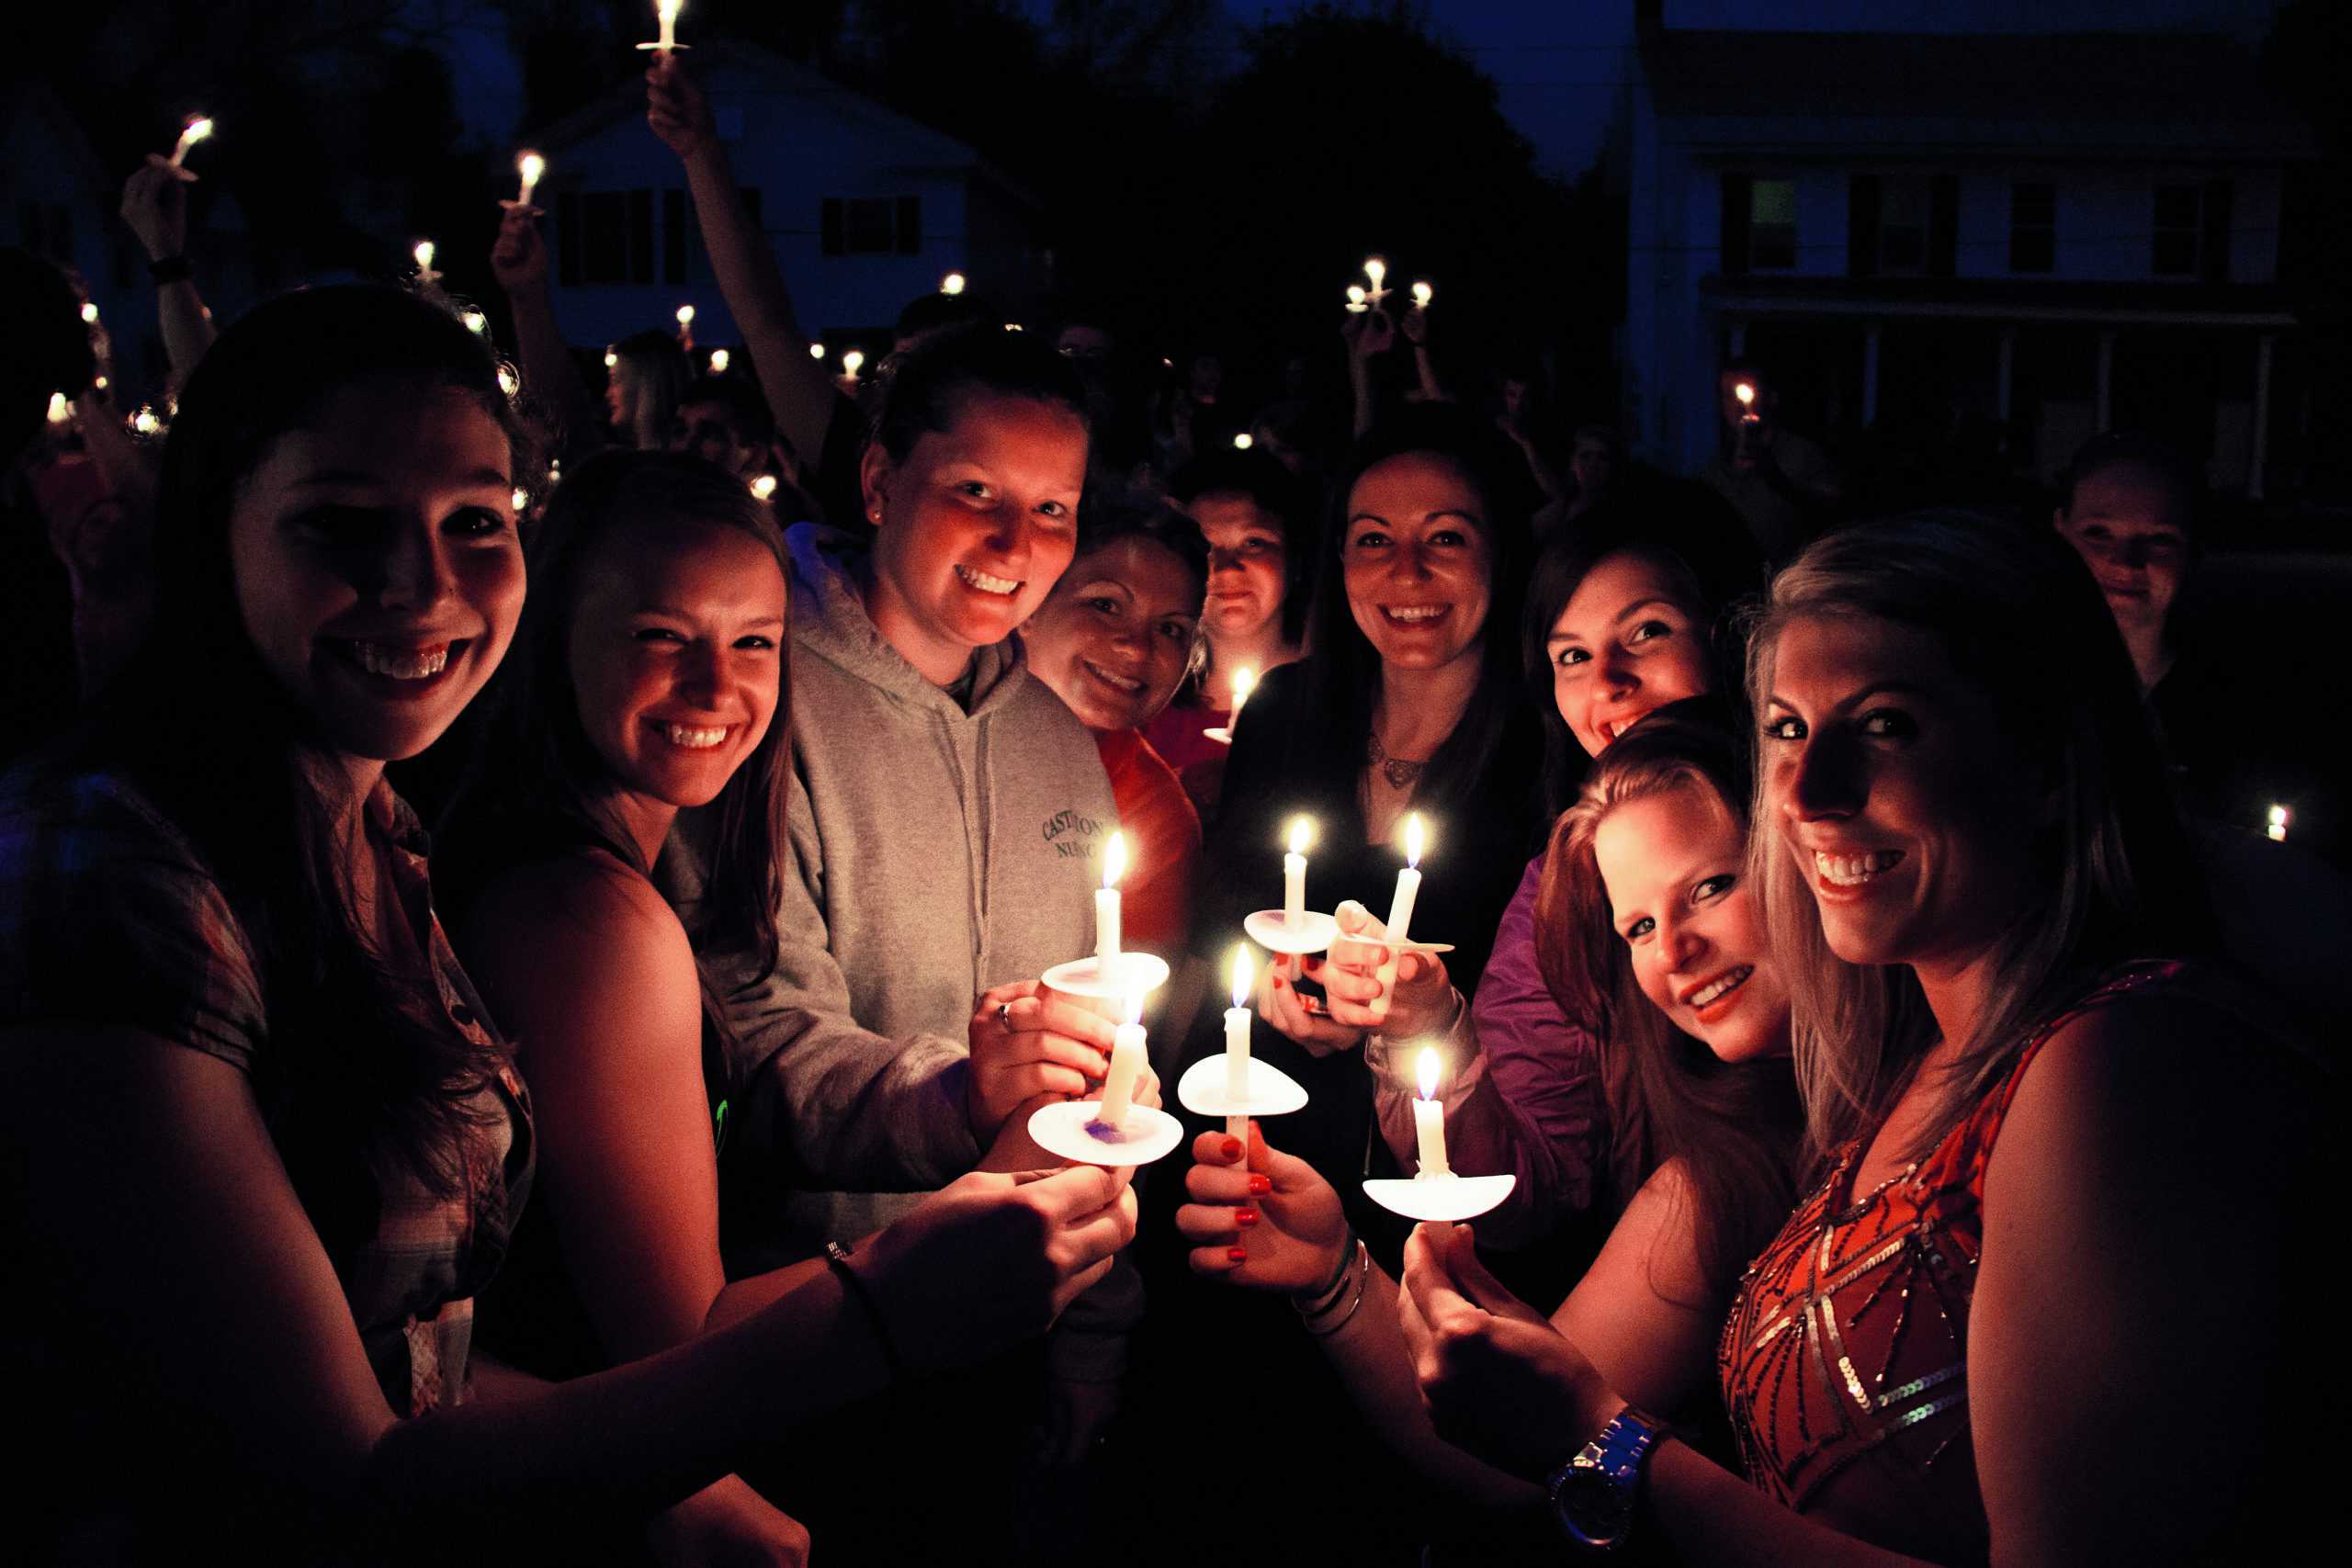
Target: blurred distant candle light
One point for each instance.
(612, 360)
(951, 284)
(531, 166)
(852, 362)
(1377, 270)
(196, 130)
(1356, 298)
(509, 382)
(59, 411)
(1012, 326)
(424, 273)
(1242, 440)
(764, 487)
(476, 323)
(816, 351)
(522, 502)
(666, 13)
(90, 314)
(1746, 392)
(144, 422)
(1422, 295)
(2279, 817)
(718, 361)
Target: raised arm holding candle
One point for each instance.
(666, 13)
(530, 165)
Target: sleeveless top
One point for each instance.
(1844, 1363)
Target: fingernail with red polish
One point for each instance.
(1245, 1216)
(1260, 1184)
(1236, 1255)
(1230, 1148)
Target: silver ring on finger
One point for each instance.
(1004, 1015)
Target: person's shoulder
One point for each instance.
(579, 913)
(90, 823)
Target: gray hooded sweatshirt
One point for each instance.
(935, 852)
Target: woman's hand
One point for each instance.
(1417, 999)
(1027, 1041)
(1279, 1003)
(154, 203)
(677, 108)
(518, 261)
(1272, 1225)
(727, 1525)
(1500, 1383)
(991, 1260)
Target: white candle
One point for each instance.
(2278, 816)
(1429, 1118)
(1106, 906)
(1126, 1065)
(667, 11)
(1409, 880)
(1245, 681)
(1376, 270)
(1294, 874)
(719, 360)
(532, 167)
(1422, 295)
(198, 129)
(1236, 1041)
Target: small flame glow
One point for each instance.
(144, 422)
(90, 314)
(1427, 1072)
(532, 167)
(1416, 840)
(2279, 817)
(1355, 294)
(1012, 326)
(509, 382)
(59, 411)
(1423, 294)
(763, 485)
(612, 360)
(196, 130)
(685, 315)
(1115, 861)
(667, 10)
(951, 284)
(1745, 394)
(816, 351)
(476, 323)
(1245, 974)
(1301, 833)
(522, 502)
(100, 383)
(1243, 441)
(424, 254)
(853, 362)
(1375, 269)
(720, 359)
(1245, 681)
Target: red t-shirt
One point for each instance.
(1163, 843)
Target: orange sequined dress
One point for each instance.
(1844, 1364)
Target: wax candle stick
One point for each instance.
(1106, 906)
(1429, 1118)
(2278, 823)
(666, 13)
(197, 130)
(1295, 873)
(1236, 1040)
(1400, 907)
(1245, 681)
(1126, 1065)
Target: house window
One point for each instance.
(605, 236)
(872, 225)
(2192, 230)
(2033, 227)
(1773, 225)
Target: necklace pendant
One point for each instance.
(1400, 776)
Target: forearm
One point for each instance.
(1708, 1515)
(550, 375)
(1360, 379)
(753, 286)
(186, 326)
(1426, 370)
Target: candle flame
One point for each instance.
(1245, 974)
(59, 411)
(1744, 393)
(476, 323)
(1428, 1073)
(532, 167)
(144, 422)
(1243, 441)
(1375, 269)
(100, 383)
(816, 351)
(1355, 294)
(521, 500)
(509, 382)
(853, 362)
(667, 10)
(685, 315)
(720, 359)
(2279, 819)
(1115, 861)
(763, 485)
(611, 359)
(951, 284)
(90, 314)
(196, 130)
(1012, 326)
(1423, 294)
(1245, 681)
(424, 254)
(1302, 832)
(1416, 838)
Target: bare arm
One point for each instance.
(154, 203)
(550, 377)
(799, 393)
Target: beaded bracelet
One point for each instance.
(837, 1258)
(1363, 1279)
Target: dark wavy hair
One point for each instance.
(1738, 1127)
(1342, 673)
(1274, 491)
(1686, 531)
(536, 788)
(368, 1085)
(924, 385)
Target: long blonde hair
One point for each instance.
(2016, 611)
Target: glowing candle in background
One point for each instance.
(1106, 905)
(1236, 1039)
(531, 166)
(852, 362)
(1429, 1118)
(1746, 392)
(424, 254)
(612, 360)
(1422, 295)
(60, 410)
(816, 351)
(2277, 826)
(476, 323)
(196, 130)
(145, 420)
(1295, 873)
(509, 382)
(1243, 441)
(1126, 1064)
(719, 360)
(686, 327)
(951, 284)
(764, 487)
(522, 502)
(90, 314)
(1245, 681)
(1377, 270)
(1356, 298)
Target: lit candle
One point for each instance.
(145, 422)
(1106, 906)
(1746, 392)
(509, 382)
(2278, 816)
(1245, 681)
(852, 362)
(720, 359)
(424, 273)
(1422, 295)
(1429, 1118)
(764, 487)
(1295, 873)
(90, 314)
(531, 165)
(816, 351)
(1126, 1065)
(951, 284)
(522, 501)
(476, 323)
(667, 12)
(686, 326)
(197, 130)
(1376, 270)
(1242, 440)
(1356, 305)
(1409, 880)
(60, 410)
(1237, 1036)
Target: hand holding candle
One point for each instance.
(197, 130)
(530, 165)
(666, 13)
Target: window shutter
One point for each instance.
(2214, 250)
(1944, 226)
(1738, 193)
(833, 227)
(674, 236)
(1862, 198)
(910, 225)
(641, 236)
(568, 242)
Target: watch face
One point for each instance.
(1592, 1507)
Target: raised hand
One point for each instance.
(154, 204)
(1417, 999)
(677, 108)
(1273, 1225)
(518, 260)
(991, 1260)
(1280, 1004)
(1026, 1042)
(1499, 1381)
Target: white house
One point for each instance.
(2065, 234)
(865, 209)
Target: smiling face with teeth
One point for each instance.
(1116, 635)
(1674, 865)
(377, 565)
(1417, 561)
(1629, 640)
(676, 661)
(973, 527)
(1905, 806)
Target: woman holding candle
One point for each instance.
(1260, 553)
(1982, 892)
(1114, 639)
(1671, 963)
(268, 1145)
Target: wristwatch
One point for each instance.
(1594, 1493)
